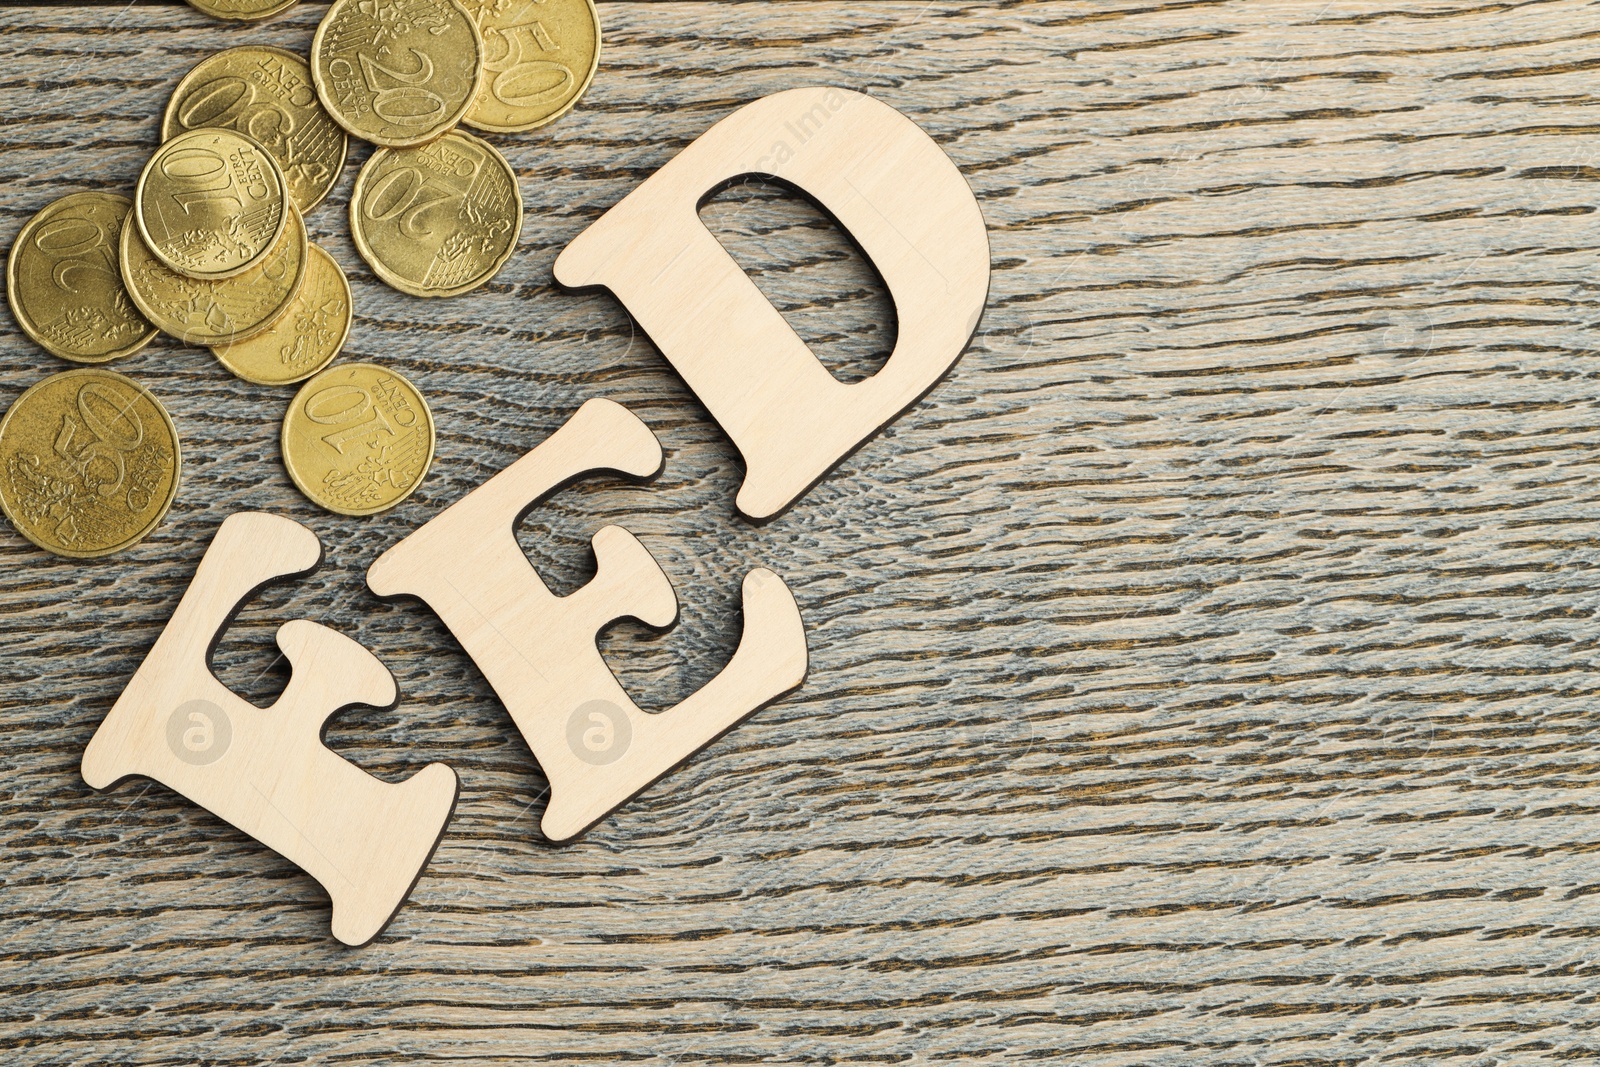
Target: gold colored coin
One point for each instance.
(305, 338)
(64, 285)
(357, 439)
(89, 463)
(242, 10)
(211, 203)
(436, 220)
(539, 57)
(396, 72)
(216, 313)
(265, 93)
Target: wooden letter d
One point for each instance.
(888, 185)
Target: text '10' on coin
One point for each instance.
(265, 93)
(211, 203)
(357, 439)
(396, 72)
(436, 220)
(242, 10)
(302, 340)
(220, 312)
(64, 285)
(539, 57)
(89, 463)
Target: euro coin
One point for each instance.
(242, 10)
(305, 338)
(265, 93)
(219, 312)
(396, 72)
(211, 203)
(357, 439)
(63, 283)
(539, 57)
(89, 463)
(436, 220)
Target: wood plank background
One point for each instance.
(1203, 674)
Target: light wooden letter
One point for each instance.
(266, 771)
(888, 185)
(539, 651)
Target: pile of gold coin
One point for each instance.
(212, 249)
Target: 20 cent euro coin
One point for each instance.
(436, 220)
(89, 463)
(64, 285)
(396, 72)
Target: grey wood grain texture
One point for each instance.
(1203, 673)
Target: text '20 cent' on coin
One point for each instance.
(539, 57)
(265, 93)
(211, 203)
(357, 439)
(396, 72)
(64, 285)
(436, 220)
(302, 340)
(89, 462)
(242, 10)
(219, 312)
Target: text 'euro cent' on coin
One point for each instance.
(64, 284)
(89, 463)
(211, 203)
(539, 57)
(265, 93)
(357, 439)
(436, 220)
(216, 312)
(397, 72)
(305, 338)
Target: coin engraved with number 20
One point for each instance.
(396, 72)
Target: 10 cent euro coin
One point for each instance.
(357, 439)
(211, 203)
(89, 463)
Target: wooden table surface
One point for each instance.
(1204, 673)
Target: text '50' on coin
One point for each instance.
(265, 93)
(302, 340)
(64, 285)
(242, 10)
(357, 439)
(539, 57)
(436, 220)
(211, 203)
(220, 312)
(396, 72)
(89, 463)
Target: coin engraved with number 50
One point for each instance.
(64, 284)
(357, 439)
(436, 220)
(266, 93)
(538, 58)
(397, 72)
(89, 462)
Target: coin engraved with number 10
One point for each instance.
(357, 439)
